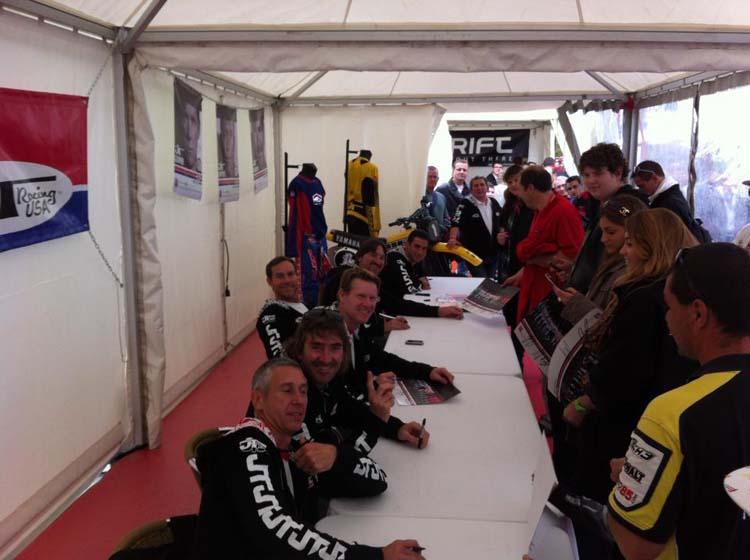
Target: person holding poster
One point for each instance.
(576, 306)
(226, 130)
(638, 359)
(187, 141)
(258, 141)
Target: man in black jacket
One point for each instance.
(342, 425)
(279, 316)
(476, 224)
(403, 274)
(398, 279)
(664, 192)
(357, 298)
(603, 168)
(256, 502)
(456, 188)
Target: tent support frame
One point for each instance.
(130, 260)
(570, 34)
(49, 13)
(140, 26)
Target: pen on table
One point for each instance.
(421, 434)
(391, 318)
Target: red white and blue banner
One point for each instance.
(43, 167)
(188, 179)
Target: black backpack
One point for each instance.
(701, 233)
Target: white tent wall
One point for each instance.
(189, 239)
(251, 233)
(398, 137)
(62, 389)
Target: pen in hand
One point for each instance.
(421, 434)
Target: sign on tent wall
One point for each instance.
(43, 167)
(188, 178)
(226, 143)
(482, 148)
(258, 143)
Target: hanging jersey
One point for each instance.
(362, 201)
(306, 197)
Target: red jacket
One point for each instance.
(556, 227)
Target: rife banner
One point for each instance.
(482, 148)
(43, 167)
(226, 142)
(258, 142)
(188, 180)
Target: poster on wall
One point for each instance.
(482, 148)
(188, 180)
(43, 167)
(258, 141)
(226, 142)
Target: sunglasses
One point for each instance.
(642, 172)
(623, 211)
(680, 261)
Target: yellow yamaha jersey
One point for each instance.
(362, 201)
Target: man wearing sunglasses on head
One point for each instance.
(664, 192)
(668, 499)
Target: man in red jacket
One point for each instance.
(556, 231)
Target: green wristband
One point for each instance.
(579, 407)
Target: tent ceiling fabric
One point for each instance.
(695, 14)
(341, 83)
(403, 49)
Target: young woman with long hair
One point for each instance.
(612, 219)
(638, 359)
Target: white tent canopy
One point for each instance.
(416, 59)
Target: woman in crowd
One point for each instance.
(638, 359)
(515, 222)
(612, 219)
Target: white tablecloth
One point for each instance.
(472, 345)
(483, 450)
(443, 539)
(477, 345)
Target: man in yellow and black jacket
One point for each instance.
(362, 201)
(669, 501)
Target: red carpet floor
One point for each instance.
(153, 484)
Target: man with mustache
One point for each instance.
(341, 429)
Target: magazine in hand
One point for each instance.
(541, 330)
(572, 360)
(409, 392)
(558, 348)
(489, 298)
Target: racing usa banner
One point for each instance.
(43, 168)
